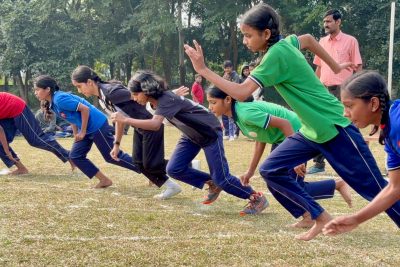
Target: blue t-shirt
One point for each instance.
(65, 105)
(392, 142)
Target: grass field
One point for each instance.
(51, 217)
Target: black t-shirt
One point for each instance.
(195, 121)
(116, 97)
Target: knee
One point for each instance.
(108, 159)
(175, 171)
(265, 170)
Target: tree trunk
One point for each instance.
(234, 41)
(112, 70)
(182, 71)
(166, 62)
(128, 67)
(23, 88)
(6, 89)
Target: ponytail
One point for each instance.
(83, 73)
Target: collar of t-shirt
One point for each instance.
(337, 37)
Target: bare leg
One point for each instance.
(344, 190)
(21, 169)
(317, 228)
(73, 166)
(306, 222)
(104, 180)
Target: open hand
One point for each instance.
(340, 225)
(181, 91)
(196, 56)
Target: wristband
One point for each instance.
(117, 143)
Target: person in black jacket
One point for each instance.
(148, 146)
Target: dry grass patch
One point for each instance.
(52, 218)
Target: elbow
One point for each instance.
(156, 127)
(305, 41)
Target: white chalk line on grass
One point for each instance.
(130, 238)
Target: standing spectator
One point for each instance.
(230, 129)
(342, 48)
(197, 90)
(245, 72)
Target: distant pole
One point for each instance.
(391, 41)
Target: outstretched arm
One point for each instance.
(258, 152)
(152, 124)
(384, 200)
(307, 41)
(238, 91)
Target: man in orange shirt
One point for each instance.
(342, 48)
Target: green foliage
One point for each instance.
(53, 37)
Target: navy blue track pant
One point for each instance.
(347, 153)
(103, 138)
(30, 129)
(179, 168)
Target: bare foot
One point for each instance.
(19, 171)
(317, 228)
(306, 222)
(103, 184)
(344, 190)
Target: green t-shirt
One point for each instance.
(285, 68)
(253, 119)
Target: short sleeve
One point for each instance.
(355, 53)
(256, 118)
(119, 95)
(168, 105)
(294, 41)
(393, 159)
(67, 102)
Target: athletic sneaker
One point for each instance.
(168, 193)
(213, 193)
(315, 169)
(258, 203)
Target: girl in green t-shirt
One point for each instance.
(324, 128)
(269, 123)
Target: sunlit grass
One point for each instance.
(52, 217)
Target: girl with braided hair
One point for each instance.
(324, 128)
(200, 129)
(89, 126)
(366, 102)
(16, 115)
(148, 146)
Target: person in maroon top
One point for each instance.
(15, 115)
(197, 90)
